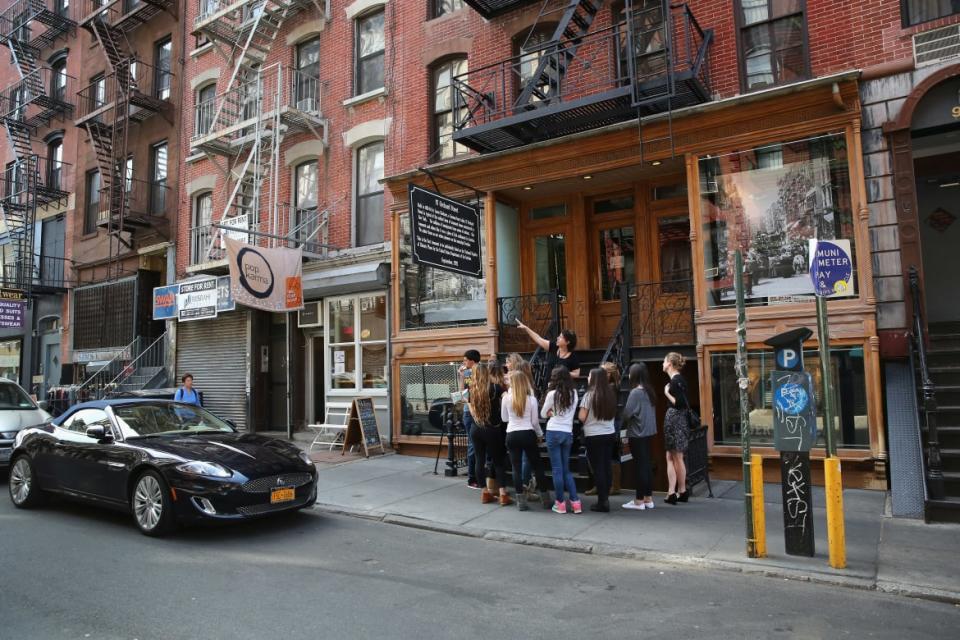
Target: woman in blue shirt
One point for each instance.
(187, 394)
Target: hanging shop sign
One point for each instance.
(197, 300)
(225, 301)
(165, 302)
(267, 279)
(12, 306)
(831, 268)
(444, 233)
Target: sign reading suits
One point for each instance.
(267, 279)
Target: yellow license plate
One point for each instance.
(283, 494)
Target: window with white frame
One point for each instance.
(357, 343)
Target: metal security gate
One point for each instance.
(215, 352)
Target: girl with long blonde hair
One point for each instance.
(487, 435)
(519, 410)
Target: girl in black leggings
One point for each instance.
(518, 408)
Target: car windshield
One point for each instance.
(143, 420)
(13, 397)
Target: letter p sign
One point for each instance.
(787, 358)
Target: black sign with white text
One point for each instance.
(444, 233)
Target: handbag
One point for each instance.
(693, 419)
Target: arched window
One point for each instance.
(54, 174)
(58, 79)
(443, 108)
(206, 107)
(443, 7)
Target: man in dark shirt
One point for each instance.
(465, 374)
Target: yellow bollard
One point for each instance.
(759, 515)
(836, 536)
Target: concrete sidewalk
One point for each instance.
(898, 556)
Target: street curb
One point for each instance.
(638, 554)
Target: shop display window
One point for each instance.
(10, 360)
(357, 345)
(769, 202)
(849, 396)
(423, 386)
(550, 256)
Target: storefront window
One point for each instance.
(849, 391)
(423, 386)
(550, 255)
(357, 358)
(673, 234)
(768, 203)
(616, 252)
(10, 360)
(433, 298)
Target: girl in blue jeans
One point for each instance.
(559, 407)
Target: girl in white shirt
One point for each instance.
(597, 412)
(560, 406)
(519, 410)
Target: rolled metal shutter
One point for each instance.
(215, 352)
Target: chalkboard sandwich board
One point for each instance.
(362, 428)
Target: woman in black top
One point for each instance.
(676, 429)
(488, 434)
(563, 348)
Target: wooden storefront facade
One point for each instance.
(658, 183)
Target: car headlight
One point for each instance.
(8, 435)
(306, 459)
(209, 469)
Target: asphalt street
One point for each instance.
(69, 571)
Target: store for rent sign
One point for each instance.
(12, 306)
(197, 300)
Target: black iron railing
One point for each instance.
(36, 23)
(662, 313)
(618, 351)
(38, 271)
(927, 391)
(540, 312)
(145, 87)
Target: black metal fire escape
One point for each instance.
(39, 96)
(109, 107)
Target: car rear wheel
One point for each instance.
(24, 491)
(151, 505)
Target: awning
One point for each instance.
(353, 278)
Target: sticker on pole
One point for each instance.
(831, 268)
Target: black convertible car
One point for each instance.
(162, 461)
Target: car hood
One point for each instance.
(16, 419)
(248, 454)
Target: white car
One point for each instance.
(17, 411)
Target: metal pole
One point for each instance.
(826, 371)
(743, 380)
(289, 380)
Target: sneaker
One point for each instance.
(473, 484)
(576, 506)
(634, 506)
(559, 507)
(648, 505)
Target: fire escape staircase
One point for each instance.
(30, 181)
(126, 99)
(242, 129)
(656, 61)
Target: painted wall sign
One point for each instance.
(831, 268)
(197, 300)
(11, 313)
(444, 233)
(165, 302)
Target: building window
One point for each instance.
(93, 202)
(58, 80)
(158, 183)
(773, 42)
(54, 175)
(357, 343)
(421, 385)
(443, 7)
(443, 108)
(206, 107)
(63, 8)
(10, 360)
(550, 259)
(98, 92)
(128, 174)
(202, 219)
(308, 76)
(162, 68)
(305, 220)
(849, 391)
(917, 11)
(369, 53)
(369, 194)
(769, 203)
(531, 48)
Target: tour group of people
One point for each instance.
(502, 416)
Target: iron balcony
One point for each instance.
(493, 8)
(146, 89)
(123, 15)
(37, 98)
(35, 24)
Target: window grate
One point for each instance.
(103, 315)
(936, 45)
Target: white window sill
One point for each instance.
(202, 49)
(194, 157)
(365, 97)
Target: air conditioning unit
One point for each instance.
(936, 46)
(307, 104)
(310, 316)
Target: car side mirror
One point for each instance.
(43, 404)
(98, 433)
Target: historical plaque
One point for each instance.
(444, 233)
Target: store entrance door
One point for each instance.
(612, 251)
(315, 389)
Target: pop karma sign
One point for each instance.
(831, 268)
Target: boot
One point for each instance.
(531, 490)
(522, 502)
(492, 486)
(505, 500)
(486, 497)
(615, 489)
(545, 499)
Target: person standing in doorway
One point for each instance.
(559, 407)
(676, 429)
(597, 412)
(487, 435)
(640, 420)
(187, 394)
(518, 409)
(563, 347)
(470, 360)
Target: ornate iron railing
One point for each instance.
(540, 312)
(928, 397)
(618, 351)
(662, 313)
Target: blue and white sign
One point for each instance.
(787, 358)
(794, 411)
(165, 302)
(831, 268)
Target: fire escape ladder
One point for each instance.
(545, 82)
(24, 57)
(113, 41)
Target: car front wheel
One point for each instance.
(151, 505)
(24, 491)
